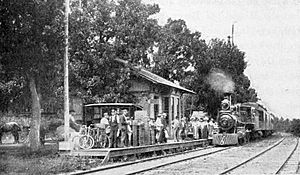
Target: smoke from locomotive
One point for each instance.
(220, 81)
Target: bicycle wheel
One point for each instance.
(86, 142)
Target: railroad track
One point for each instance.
(272, 160)
(291, 164)
(143, 165)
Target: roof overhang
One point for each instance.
(113, 105)
(142, 72)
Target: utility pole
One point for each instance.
(232, 31)
(66, 73)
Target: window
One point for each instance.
(261, 115)
(173, 109)
(166, 105)
(155, 111)
(166, 108)
(178, 107)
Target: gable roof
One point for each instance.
(153, 77)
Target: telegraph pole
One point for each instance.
(66, 72)
(232, 31)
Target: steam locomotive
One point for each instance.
(240, 122)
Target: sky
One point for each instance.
(268, 31)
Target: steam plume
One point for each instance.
(220, 82)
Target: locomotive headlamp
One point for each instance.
(225, 105)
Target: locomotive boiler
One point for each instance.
(240, 122)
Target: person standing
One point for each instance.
(195, 127)
(164, 134)
(105, 122)
(159, 128)
(204, 130)
(201, 126)
(123, 127)
(72, 121)
(113, 123)
(129, 129)
(176, 127)
(152, 131)
(183, 132)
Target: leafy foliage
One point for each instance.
(31, 47)
(105, 30)
(177, 50)
(295, 127)
(30, 50)
(229, 59)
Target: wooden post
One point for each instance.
(147, 134)
(135, 133)
(141, 135)
(66, 73)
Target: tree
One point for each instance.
(30, 51)
(102, 31)
(177, 48)
(221, 58)
(295, 127)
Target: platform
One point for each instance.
(108, 153)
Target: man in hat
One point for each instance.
(160, 127)
(113, 123)
(176, 127)
(123, 126)
(195, 127)
(183, 128)
(204, 130)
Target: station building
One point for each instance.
(155, 95)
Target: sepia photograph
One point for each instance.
(149, 87)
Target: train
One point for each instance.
(242, 122)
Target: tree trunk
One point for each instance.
(34, 137)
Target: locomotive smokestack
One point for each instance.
(227, 95)
(226, 102)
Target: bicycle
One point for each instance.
(92, 137)
(86, 141)
(100, 137)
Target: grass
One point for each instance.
(45, 161)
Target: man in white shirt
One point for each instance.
(105, 122)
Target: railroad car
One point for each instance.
(240, 122)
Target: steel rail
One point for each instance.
(173, 162)
(150, 159)
(253, 157)
(137, 161)
(288, 158)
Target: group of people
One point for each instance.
(118, 127)
(195, 128)
(158, 129)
